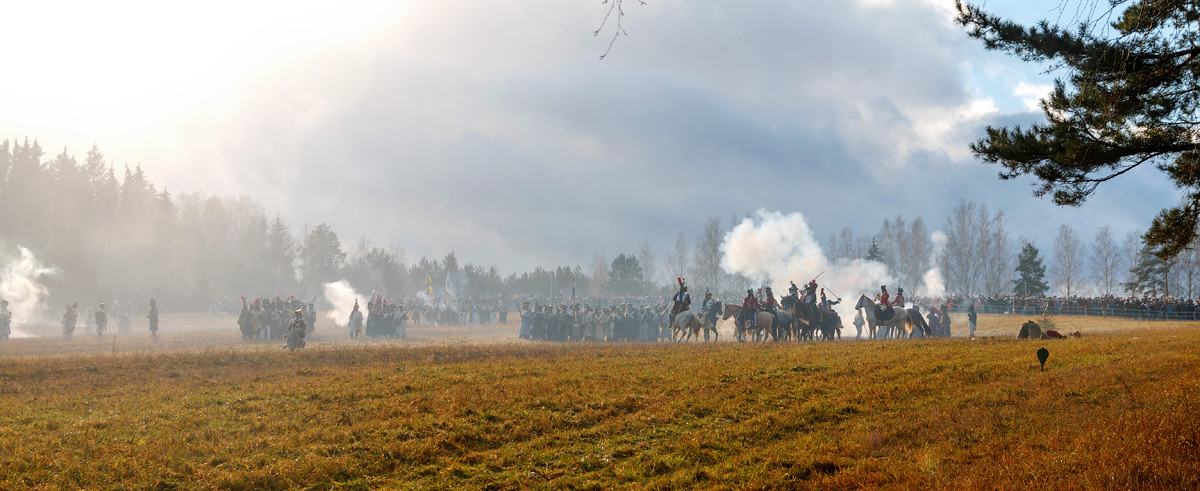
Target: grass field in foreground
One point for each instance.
(1112, 410)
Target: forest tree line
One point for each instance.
(113, 234)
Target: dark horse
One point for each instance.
(800, 321)
(804, 317)
(708, 318)
(809, 319)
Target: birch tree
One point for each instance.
(1067, 271)
(996, 254)
(706, 258)
(679, 258)
(648, 261)
(1108, 263)
(960, 261)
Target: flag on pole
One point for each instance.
(572, 290)
(428, 285)
(449, 286)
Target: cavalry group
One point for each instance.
(798, 315)
(803, 314)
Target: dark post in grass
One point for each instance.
(1043, 354)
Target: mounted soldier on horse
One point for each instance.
(682, 301)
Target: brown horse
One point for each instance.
(762, 330)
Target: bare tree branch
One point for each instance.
(614, 7)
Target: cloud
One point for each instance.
(491, 129)
(1031, 95)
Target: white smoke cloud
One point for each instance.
(933, 284)
(20, 284)
(775, 248)
(342, 296)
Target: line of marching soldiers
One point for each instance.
(583, 323)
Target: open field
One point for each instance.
(1112, 410)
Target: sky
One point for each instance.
(494, 130)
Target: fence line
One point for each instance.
(1137, 314)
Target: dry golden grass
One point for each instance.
(1113, 410)
(1009, 325)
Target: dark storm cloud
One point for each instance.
(501, 137)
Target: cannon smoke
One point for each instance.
(342, 296)
(773, 248)
(21, 284)
(933, 285)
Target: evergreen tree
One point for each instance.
(322, 257)
(625, 275)
(873, 252)
(1148, 275)
(1128, 98)
(1031, 273)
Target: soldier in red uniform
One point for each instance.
(749, 311)
(887, 312)
(899, 301)
(770, 305)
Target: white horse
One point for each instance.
(688, 324)
(900, 321)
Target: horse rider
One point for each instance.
(793, 290)
(810, 293)
(827, 305)
(770, 305)
(884, 298)
(683, 301)
(707, 303)
(708, 311)
(749, 311)
(899, 300)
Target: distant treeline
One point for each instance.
(113, 234)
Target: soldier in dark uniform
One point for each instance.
(153, 316)
(5, 320)
(538, 324)
(826, 306)
(296, 330)
(245, 320)
(310, 318)
(70, 317)
(682, 301)
(552, 322)
(101, 321)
